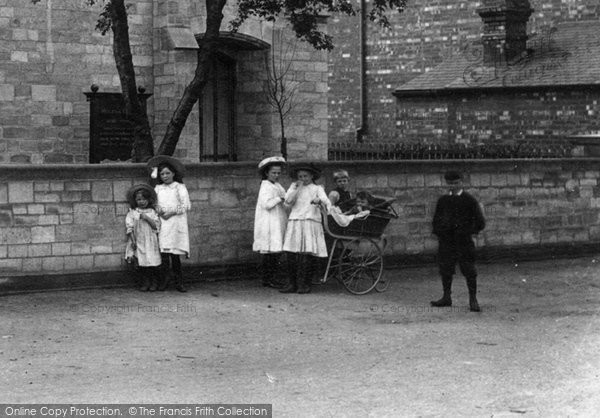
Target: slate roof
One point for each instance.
(568, 54)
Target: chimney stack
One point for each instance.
(504, 30)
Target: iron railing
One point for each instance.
(344, 151)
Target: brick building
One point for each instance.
(51, 55)
(432, 32)
(512, 89)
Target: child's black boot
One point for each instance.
(154, 274)
(292, 262)
(446, 299)
(306, 270)
(180, 284)
(146, 284)
(165, 279)
(472, 286)
(268, 269)
(165, 272)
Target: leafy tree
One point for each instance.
(303, 15)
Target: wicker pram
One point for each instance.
(356, 250)
(373, 225)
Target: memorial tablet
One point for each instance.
(111, 132)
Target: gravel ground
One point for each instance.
(533, 351)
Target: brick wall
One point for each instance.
(499, 118)
(70, 219)
(425, 34)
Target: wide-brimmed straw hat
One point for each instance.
(310, 167)
(264, 165)
(134, 189)
(157, 160)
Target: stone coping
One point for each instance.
(28, 172)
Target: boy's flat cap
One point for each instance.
(452, 176)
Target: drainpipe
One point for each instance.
(361, 132)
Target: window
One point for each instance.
(217, 111)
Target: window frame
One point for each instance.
(230, 153)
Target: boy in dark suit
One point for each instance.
(457, 217)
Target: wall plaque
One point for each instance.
(111, 133)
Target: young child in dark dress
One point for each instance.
(457, 217)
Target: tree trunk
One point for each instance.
(143, 144)
(283, 138)
(191, 94)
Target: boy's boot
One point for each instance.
(472, 286)
(179, 282)
(306, 267)
(446, 300)
(292, 262)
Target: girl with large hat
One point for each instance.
(304, 236)
(270, 219)
(142, 226)
(173, 203)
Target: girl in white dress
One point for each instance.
(270, 219)
(142, 223)
(304, 236)
(173, 203)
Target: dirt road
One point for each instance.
(533, 351)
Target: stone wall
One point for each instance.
(529, 205)
(255, 123)
(70, 219)
(57, 219)
(52, 54)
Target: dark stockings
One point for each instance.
(172, 262)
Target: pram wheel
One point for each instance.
(360, 265)
(383, 284)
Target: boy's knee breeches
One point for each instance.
(452, 252)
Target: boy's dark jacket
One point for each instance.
(457, 215)
(346, 202)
